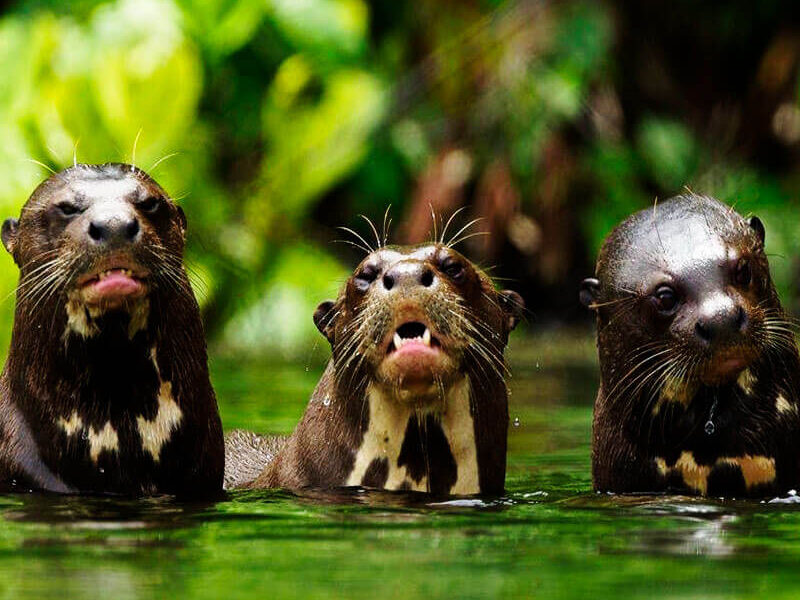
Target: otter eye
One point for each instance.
(453, 269)
(68, 209)
(666, 299)
(365, 277)
(744, 274)
(149, 205)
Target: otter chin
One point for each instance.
(414, 396)
(106, 388)
(699, 366)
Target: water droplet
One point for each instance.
(710, 428)
(102, 470)
(326, 401)
(516, 421)
(306, 369)
(537, 364)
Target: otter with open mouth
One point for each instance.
(106, 387)
(414, 396)
(699, 367)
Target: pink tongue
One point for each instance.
(116, 284)
(415, 347)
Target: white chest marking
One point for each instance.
(78, 322)
(153, 433)
(157, 432)
(746, 381)
(783, 406)
(81, 318)
(99, 440)
(388, 421)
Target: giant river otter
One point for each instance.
(106, 387)
(414, 396)
(699, 367)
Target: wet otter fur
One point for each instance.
(106, 387)
(414, 396)
(699, 367)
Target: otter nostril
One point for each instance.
(427, 278)
(388, 282)
(132, 229)
(702, 332)
(95, 232)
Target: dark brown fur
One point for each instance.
(109, 377)
(646, 436)
(322, 451)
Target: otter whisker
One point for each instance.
(433, 219)
(41, 164)
(464, 238)
(374, 230)
(447, 225)
(162, 159)
(450, 244)
(133, 151)
(386, 226)
(366, 246)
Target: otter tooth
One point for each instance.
(426, 337)
(398, 341)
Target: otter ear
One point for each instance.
(9, 235)
(757, 226)
(590, 289)
(513, 305)
(182, 219)
(324, 318)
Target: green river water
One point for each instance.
(550, 537)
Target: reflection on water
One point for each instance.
(550, 536)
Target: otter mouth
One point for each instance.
(416, 362)
(113, 283)
(727, 366)
(413, 337)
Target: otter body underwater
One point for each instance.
(699, 368)
(106, 387)
(414, 396)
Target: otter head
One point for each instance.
(98, 239)
(414, 320)
(683, 293)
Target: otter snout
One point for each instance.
(721, 320)
(408, 276)
(112, 223)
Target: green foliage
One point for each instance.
(125, 81)
(668, 150)
(273, 120)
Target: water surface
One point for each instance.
(549, 537)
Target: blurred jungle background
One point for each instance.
(275, 121)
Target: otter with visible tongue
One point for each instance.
(414, 396)
(106, 388)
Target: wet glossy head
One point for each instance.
(409, 315)
(692, 272)
(105, 230)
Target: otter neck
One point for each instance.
(103, 408)
(685, 409)
(408, 448)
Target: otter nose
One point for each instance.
(113, 228)
(721, 321)
(407, 275)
